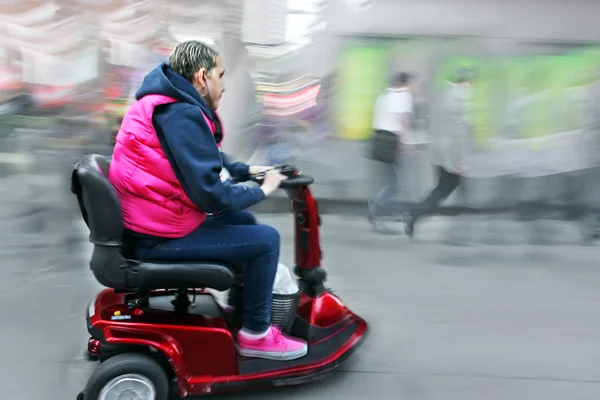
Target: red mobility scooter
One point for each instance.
(158, 332)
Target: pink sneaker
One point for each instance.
(274, 345)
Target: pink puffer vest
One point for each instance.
(153, 201)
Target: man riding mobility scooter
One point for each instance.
(157, 324)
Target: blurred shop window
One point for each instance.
(303, 20)
(307, 6)
(62, 69)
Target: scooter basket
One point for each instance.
(283, 307)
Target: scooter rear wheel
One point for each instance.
(132, 373)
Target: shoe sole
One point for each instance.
(273, 355)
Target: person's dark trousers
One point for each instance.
(447, 183)
(234, 238)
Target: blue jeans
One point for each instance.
(234, 238)
(384, 205)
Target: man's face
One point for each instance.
(211, 85)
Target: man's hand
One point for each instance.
(272, 182)
(460, 169)
(256, 169)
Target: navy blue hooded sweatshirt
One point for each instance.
(191, 147)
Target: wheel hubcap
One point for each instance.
(128, 387)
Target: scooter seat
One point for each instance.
(101, 211)
(181, 275)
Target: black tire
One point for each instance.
(128, 363)
(91, 357)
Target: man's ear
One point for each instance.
(200, 75)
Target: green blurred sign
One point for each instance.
(361, 78)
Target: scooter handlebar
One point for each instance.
(295, 177)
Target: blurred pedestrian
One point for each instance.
(450, 142)
(393, 113)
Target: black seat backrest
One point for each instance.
(101, 211)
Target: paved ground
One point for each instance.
(511, 321)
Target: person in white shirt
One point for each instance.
(393, 112)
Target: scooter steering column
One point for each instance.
(308, 247)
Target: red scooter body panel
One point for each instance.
(201, 349)
(323, 311)
(197, 347)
